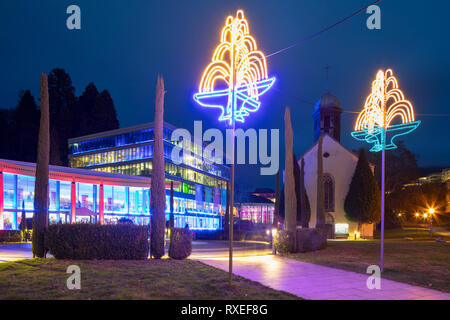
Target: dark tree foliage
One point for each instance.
(401, 167)
(96, 111)
(362, 203)
(85, 110)
(62, 102)
(24, 129)
(5, 133)
(105, 112)
(418, 198)
(69, 117)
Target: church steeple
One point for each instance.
(327, 115)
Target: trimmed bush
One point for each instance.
(95, 241)
(180, 243)
(310, 239)
(10, 236)
(284, 241)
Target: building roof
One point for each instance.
(345, 148)
(75, 174)
(250, 198)
(114, 132)
(263, 190)
(327, 101)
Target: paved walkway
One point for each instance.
(312, 281)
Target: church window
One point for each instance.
(328, 186)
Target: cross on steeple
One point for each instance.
(327, 68)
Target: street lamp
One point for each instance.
(431, 212)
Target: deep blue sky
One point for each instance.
(123, 45)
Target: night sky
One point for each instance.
(123, 45)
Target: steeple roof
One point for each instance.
(327, 101)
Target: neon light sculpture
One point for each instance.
(240, 67)
(382, 107)
(374, 125)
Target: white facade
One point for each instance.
(339, 163)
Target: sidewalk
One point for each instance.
(316, 282)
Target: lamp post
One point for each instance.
(417, 221)
(431, 212)
(374, 125)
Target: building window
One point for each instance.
(328, 186)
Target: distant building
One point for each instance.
(437, 177)
(257, 209)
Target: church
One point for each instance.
(339, 164)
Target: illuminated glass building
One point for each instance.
(199, 185)
(75, 195)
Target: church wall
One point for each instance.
(340, 164)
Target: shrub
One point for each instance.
(180, 243)
(95, 241)
(10, 236)
(284, 241)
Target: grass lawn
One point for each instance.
(151, 279)
(422, 263)
(409, 232)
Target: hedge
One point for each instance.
(10, 236)
(95, 241)
(180, 243)
(284, 241)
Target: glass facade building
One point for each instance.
(77, 195)
(199, 184)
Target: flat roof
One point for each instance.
(75, 174)
(115, 132)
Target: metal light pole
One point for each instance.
(233, 125)
(383, 162)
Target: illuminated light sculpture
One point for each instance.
(233, 81)
(236, 75)
(375, 124)
(385, 103)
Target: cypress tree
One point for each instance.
(305, 209)
(362, 203)
(277, 200)
(320, 210)
(290, 206)
(40, 218)
(158, 200)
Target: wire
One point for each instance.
(356, 112)
(322, 31)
